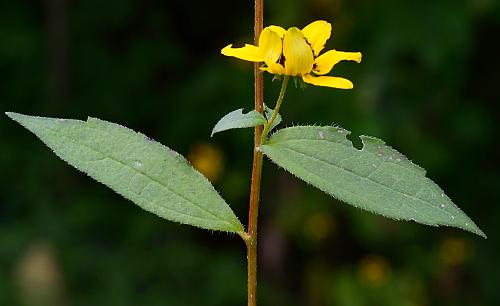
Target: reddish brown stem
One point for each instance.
(253, 211)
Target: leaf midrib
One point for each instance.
(365, 178)
(217, 218)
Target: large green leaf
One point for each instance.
(149, 174)
(376, 178)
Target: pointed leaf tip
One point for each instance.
(11, 115)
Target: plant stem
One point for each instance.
(267, 127)
(250, 237)
(253, 211)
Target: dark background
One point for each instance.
(428, 85)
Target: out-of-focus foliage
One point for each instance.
(427, 85)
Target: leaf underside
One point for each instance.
(237, 119)
(376, 178)
(144, 171)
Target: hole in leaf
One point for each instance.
(355, 140)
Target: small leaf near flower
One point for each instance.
(237, 119)
(268, 112)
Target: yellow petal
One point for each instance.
(278, 30)
(274, 69)
(325, 62)
(248, 53)
(270, 45)
(297, 52)
(328, 81)
(317, 33)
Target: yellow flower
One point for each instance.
(295, 52)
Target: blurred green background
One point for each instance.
(428, 85)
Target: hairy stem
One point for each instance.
(251, 236)
(253, 211)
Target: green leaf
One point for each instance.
(268, 112)
(149, 174)
(376, 178)
(236, 120)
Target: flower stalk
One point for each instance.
(267, 127)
